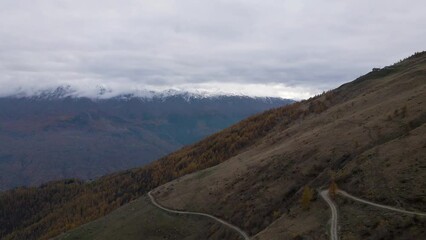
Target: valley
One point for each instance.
(55, 135)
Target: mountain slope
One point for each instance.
(53, 136)
(58, 206)
(130, 222)
(368, 134)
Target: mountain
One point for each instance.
(263, 173)
(54, 134)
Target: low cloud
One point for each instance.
(291, 49)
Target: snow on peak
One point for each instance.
(102, 92)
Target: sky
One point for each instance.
(290, 49)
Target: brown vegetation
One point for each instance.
(369, 155)
(332, 189)
(307, 196)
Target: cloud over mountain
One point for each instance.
(290, 49)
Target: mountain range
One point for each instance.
(54, 134)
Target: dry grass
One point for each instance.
(371, 155)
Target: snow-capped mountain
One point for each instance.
(102, 93)
(58, 133)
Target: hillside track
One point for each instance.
(347, 195)
(243, 234)
(334, 215)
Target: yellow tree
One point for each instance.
(307, 196)
(332, 189)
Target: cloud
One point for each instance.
(271, 47)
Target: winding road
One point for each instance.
(345, 194)
(243, 234)
(334, 216)
(323, 193)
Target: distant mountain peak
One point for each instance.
(103, 92)
(59, 92)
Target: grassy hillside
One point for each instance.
(141, 220)
(368, 134)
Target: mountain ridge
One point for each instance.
(67, 91)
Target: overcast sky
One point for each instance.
(291, 49)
